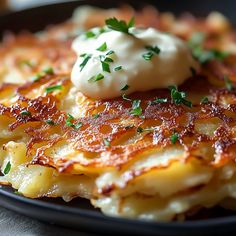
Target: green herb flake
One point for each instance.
(37, 77)
(96, 78)
(7, 168)
(78, 125)
(70, 124)
(120, 25)
(110, 52)
(125, 87)
(48, 71)
(159, 100)
(174, 137)
(106, 142)
(204, 100)
(95, 116)
(118, 68)
(90, 34)
(50, 122)
(228, 83)
(197, 39)
(53, 88)
(141, 130)
(103, 47)
(25, 113)
(105, 67)
(87, 57)
(18, 193)
(154, 49)
(136, 108)
(129, 127)
(179, 97)
(148, 56)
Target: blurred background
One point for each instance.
(21, 4)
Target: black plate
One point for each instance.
(79, 213)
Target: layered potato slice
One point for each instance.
(162, 165)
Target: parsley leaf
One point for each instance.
(136, 108)
(106, 142)
(204, 100)
(174, 137)
(228, 83)
(25, 113)
(151, 51)
(53, 88)
(96, 77)
(179, 97)
(159, 100)
(87, 57)
(70, 124)
(50, 122)
(48, 71)
(125, 87)
(118, 68)
(120, 25)
(103, 47)
(7, 168)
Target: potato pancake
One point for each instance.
(173, 157)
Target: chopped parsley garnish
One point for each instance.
(37, 77)
(48, 71)
(174, 137)
(120, 25)
(105, 67)
(17, 193)
(103, 47)
(204, 56)
(129, 126)
(148, 56)
(96, 78)
(151, 51)
(70, 124)
(179, 97)
(95, 116)
(118, 68)
(53, 88)
(204, 100)
(228, 83)
(159, 100)
(154, 49)
(87, 57)
(50, 122)
(196, 39)
(136, 108)
(90, 34)
(104, 62)
(7, 168)
(141, 130)
(25, 113)
(124, 96)
(94, 33)
(110, 52)
(124, 88)
(106, 142)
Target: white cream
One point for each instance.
(170, 67)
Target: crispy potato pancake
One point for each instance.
(162, 165)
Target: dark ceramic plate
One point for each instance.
(79, 213)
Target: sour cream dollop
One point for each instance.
(130, 67)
